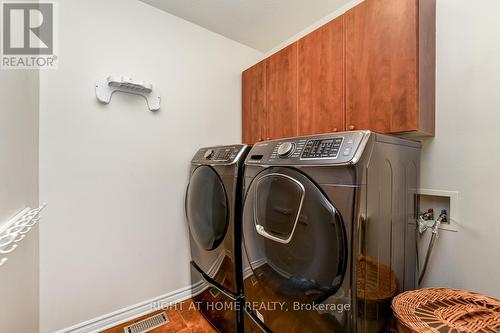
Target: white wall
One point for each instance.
(18, 141)
(18, 190)
(19, 287)
(114, 175)
(465, 154)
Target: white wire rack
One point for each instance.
(15, 230)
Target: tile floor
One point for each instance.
(184, 318)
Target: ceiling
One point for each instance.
(260, 24)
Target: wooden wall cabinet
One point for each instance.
(390, 66)
(321, 80)
(269, 94)
(281, 93)
(299, 90)
(254, 103)
(371, 68)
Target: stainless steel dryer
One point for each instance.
(213, 209)
(329, 231)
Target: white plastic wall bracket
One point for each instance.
(106, 87)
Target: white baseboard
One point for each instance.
(113, 319)
(102, 323)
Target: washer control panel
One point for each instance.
(323, 148)
(288, 149)
(285, 149)
(335, 148)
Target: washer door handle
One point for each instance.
(259, 228)
(262, 231)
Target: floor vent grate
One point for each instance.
(147, 324)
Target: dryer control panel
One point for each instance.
(219, 154)
(335, 148)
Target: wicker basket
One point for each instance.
(376, 282)
(376, 286)
(437, 310)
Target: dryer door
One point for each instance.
(207, 208)
(296, 244)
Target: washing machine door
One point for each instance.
(207, 208)
(296, 245)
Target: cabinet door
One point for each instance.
(381, 66)
(254, 103)
(281, 93)
(321, 79)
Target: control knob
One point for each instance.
(285, 149)
(209, 153)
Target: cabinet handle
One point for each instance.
(351, 127)
(267, 139)
(335, 129)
